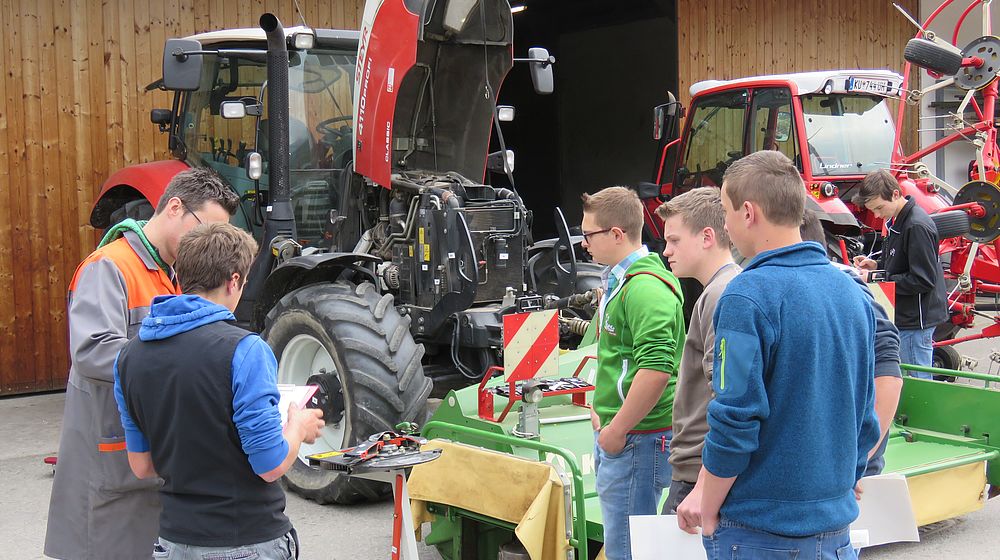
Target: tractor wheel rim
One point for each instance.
(303, 356)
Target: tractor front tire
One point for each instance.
(355, 333)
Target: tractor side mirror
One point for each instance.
(665, 118)
(160, 116)
(541, 70)
(647, 190)
(182, 64)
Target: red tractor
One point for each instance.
(387, 261)
(837, 126)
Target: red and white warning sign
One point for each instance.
(885, 295)
(530, 345)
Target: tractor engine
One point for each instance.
(423, 247)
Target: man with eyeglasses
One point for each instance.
(640, 336)
(98, 508)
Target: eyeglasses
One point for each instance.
(586, 235)
(189, 211)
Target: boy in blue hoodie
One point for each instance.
(793, 418)
(198, 400)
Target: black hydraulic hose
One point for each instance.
(578, 301)
(446, 196)
(457, 360)
(508, 194)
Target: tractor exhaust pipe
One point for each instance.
(280, 212)
(279, 220)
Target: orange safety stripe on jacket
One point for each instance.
(141, 283)
(111, 447)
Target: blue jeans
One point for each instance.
(285, 547)
(734, 541)
(630, 483)
(916, 347)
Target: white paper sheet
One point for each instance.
(655, 537)
(886, 512)
(293, 394)
(886, 516)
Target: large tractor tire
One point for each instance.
(350, 339)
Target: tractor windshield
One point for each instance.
(320, 109)
(847, 134)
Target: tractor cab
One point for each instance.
(836, 126)
(223, 119)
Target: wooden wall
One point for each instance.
(72, 110)
(727, 39)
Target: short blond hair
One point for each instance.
(616, 207)
(770, 180)
(209, 254)
(699, 209)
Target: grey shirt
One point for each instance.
(694, 380)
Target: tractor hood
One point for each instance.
(426, 83)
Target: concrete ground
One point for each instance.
(31, 428)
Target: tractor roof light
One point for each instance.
(505, 113)
(304, 40)
(828, 87)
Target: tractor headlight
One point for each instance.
(255, 166)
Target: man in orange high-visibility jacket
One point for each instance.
(99, 510)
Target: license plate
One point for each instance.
(868, 85)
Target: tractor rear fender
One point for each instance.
(146, 180)
(303, 271)
(835, 212)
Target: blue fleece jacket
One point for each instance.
(793, 418)
(254, 379)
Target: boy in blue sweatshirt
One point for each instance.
(793, 418)
(198, 401)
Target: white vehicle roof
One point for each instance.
(807, 82)
(244, 34)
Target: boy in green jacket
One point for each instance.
(640, 336)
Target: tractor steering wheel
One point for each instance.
(331, 134)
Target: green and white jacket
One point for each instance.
(640, 326)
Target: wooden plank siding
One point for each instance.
(73, 109)
(728, 39)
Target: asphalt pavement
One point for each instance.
(30, 432)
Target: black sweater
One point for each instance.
(910, 259)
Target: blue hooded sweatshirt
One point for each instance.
(793, 418)
(254, 379)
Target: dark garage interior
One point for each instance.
(614, 62)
